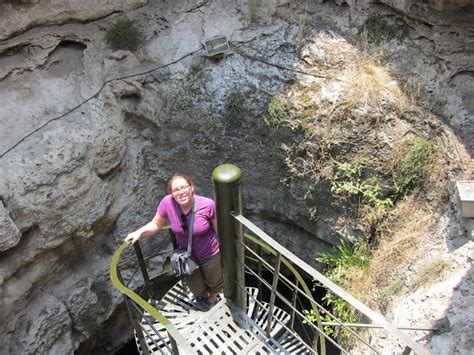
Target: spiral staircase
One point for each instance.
(223, 328)
(246, 319)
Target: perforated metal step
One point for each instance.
(223, 329)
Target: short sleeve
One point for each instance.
(163, 206)
(212, 210)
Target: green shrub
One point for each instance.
(277, 112)
(348, 180)
(346, 259)
(413, 165)
(124, 35)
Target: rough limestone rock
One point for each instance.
(442, 31)
(45, 329)
(19, 16)
(89, 136)
(9, 232)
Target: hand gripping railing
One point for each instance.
(285, 256)
(141, 305)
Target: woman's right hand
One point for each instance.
(132, 237)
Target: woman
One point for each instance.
(176, 209)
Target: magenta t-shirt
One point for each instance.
(205, 240)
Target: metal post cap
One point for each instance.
(226, 173)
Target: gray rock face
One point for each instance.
(87, 142)
(19, 16)
(439, 56)
(45, 330)
(9, 232)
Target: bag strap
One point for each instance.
(190, 229)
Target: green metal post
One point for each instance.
(136, 319)
(227, 180)
(141, 262)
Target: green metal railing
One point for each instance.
(137, 306)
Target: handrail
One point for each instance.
(375, 317)
(172, 330)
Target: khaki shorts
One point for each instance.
(208, 279)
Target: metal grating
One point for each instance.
(223, 329)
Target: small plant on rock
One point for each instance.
(278, 112)
(348, 180)
(412, 164)
(124, 35)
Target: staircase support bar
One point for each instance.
(141, 262)
(276, 275)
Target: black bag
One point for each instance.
(182, 264)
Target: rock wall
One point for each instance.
(87, 142)
(437, 54)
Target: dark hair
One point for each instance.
(175, 176)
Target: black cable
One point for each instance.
(281, 67)
(236, 49)
(94, 96)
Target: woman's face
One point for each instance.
(182, 191)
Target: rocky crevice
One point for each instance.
(27, 15)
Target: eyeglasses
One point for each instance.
(184, 188)
(184, 222)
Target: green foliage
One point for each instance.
(412, 167)
(348, 181)
(310, 316)
(124, 35)
(277, 112)
(344, 312)
(347, 257)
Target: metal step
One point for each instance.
(222, 329)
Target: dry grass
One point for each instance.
(359, 284)
(403, 234)
(431, 271)
(410, 224)
(371, 83)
